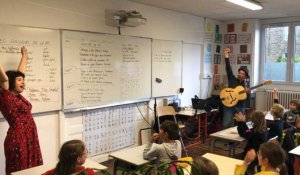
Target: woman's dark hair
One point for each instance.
(12, 75)
(259, 122)
(206, 166)
(68, 155)
(171, 128)
(275, 155)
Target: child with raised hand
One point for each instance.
(255, 136)
(276, 125)
(169, 149)
(270, 157)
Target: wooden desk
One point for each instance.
(231, 135)
(130, 156)
(43, 168)
(201, 114)
(226, 165)
(296, 153)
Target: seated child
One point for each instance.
(255, 136)
(292, 114)
(170, 149)
(72, 156)
(270, 157)
(290, 140)
(204, 166)
(276, 126)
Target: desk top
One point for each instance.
(226, 165)
(133, 155)
(228, 134)
(295, 151)
(43, 168)
(190, 112)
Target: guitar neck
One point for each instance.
(254, 87)
(257, 86)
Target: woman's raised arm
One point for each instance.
(3, 79)
(22, 64)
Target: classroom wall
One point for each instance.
(56, 127)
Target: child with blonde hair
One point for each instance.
(276, 125)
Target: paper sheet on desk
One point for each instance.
(269, 116)
(230, 134)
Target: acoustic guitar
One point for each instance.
(230, 97)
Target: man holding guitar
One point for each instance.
(234, 104)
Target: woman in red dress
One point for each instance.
(21, 145)
(72, 156)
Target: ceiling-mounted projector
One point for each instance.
(124, 18)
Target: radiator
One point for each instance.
(284, 98)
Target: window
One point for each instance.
(296, 71)
(281, 52)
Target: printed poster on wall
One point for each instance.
(232, 59)
(208, 36)
(243, 49)
(216, 69)
(208, 52)
(218, 38)
(208, 26)
(244, 27)
(230, 27)
(243, 58)
(217, 59)
(244, 38)
(230, 38)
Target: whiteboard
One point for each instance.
(102, 69)
(190, 72)
(166, 66)
(43, 72)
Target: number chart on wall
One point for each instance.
(109, 129)
(43, 75)
(101, 69)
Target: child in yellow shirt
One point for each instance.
(270, 156)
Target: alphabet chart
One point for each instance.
(109, 129)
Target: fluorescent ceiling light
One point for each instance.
(248, 4)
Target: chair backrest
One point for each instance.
(165, 111)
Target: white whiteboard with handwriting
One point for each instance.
(43, 74)
(166, 66)
(102, 69)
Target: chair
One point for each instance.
(168, 113)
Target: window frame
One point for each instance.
(290, 51)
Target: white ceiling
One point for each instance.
(223, 10)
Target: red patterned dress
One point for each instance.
(21, 145)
